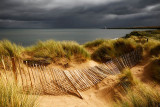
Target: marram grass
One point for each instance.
(95, 43)
(12, 96)
(104, 53)
(113, 48)
(137, 94)
(10, 49)
(140, 96)
(126, 78)
(54, 49)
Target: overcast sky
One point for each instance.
(78, 13)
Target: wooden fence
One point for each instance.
(47, 80)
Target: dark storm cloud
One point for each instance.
(78, 13)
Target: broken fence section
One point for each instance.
(45, 80)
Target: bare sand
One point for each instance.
(97, 96)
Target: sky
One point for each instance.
(78, 13)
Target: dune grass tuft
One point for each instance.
(11, 96)
(95, 43)
(113, 48)
(123, 46)
(126, 78)
(104, 53)
(73, 48)
(47, 49)
(140, 96)
(53, 49)
(150, 44)
(136, 93)
(10, 49)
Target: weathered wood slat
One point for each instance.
(93, 79)
(102, 70)
(98, 72)
(67, 74)
(85, 79)
(74, 78)
(115, 67)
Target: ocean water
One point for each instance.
(28, 37)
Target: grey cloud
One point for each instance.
(80, 13)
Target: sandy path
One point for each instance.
(139, 71)
(143, 72)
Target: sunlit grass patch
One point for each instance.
(135, 94)
(10, 49)
(140, 96)
(54, 49)
(11, 95)
(126, 78)
(95, 43)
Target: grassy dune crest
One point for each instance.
(10, 49)
(53, 49)
(113, 48)
(154, 34)
(104, 53)
(94, 43)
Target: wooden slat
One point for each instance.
(85, 79)
(93, 79)
(68, 76)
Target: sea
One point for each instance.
(27, 37)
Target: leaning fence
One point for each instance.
(51, 81)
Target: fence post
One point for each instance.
(21, 74)
(4, 68)
(29, 74)
(14, 69)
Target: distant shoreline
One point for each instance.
(147, 27)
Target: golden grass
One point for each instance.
(95, 43)
(151, 47)
(141, 96)
(10, 49)
(137, 95)
(12, 95)
(53, 49)
(126, 78)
